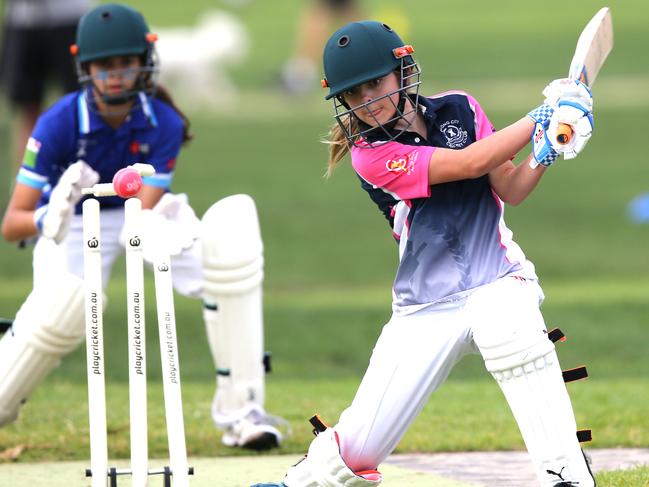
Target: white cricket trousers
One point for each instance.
(413, 357)
(50, 259)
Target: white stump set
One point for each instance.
(178, 471)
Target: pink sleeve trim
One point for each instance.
(398, 169)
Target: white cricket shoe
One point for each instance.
(253, 435)
(251, 428)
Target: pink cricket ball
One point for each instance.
(127, 182)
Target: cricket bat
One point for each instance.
(593, 46)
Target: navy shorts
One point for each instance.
(32, 56)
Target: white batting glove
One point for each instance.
(53, 219)
(170, 228)
(573, 104)
(569, 91)
(579, 121)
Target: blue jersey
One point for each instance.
(452, 236)
(69, 131)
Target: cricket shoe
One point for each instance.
(256, 431)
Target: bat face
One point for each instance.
(593, 46)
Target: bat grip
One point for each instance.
(564, 133)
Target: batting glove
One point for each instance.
(542, 149)
(580, 122)
(573, 104)
(569, 91)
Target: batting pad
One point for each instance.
(528, 372)
(233, 272)
(49, 325)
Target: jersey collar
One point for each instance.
(428, 108)
(142, 115)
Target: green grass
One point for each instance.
(224, 472)
(638, 477)
(330, 257)
(53, 425)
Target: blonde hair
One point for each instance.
(339, 145)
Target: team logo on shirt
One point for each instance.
(136, 147)
(403, 164)
(31, 151)
(455, 135)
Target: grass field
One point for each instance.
(330, 258)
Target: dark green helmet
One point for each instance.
(111, 30)
(360, 52)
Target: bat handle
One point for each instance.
(564, 133)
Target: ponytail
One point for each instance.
(163, 94)
(338, 143)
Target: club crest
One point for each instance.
(456, 136)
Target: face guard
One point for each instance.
(146, 81)
(360, 134)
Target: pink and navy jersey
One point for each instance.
(452, 236)
(70, 131)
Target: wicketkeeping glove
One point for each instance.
(170, 228)
(53, 219)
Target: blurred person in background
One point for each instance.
(120, 117)
(37, 35)
(300, 73)
(440, 175)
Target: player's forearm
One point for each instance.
(486, 154)
(482, 156)
(150, 195)
(514, 184)
(18, 225)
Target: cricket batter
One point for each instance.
(118, 118)
(440, 175)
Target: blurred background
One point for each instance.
(243, 72)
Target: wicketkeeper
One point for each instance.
(121, 116)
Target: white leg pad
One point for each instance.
(233, 263)
(49, 325)
(324, 467)
(528, 372)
